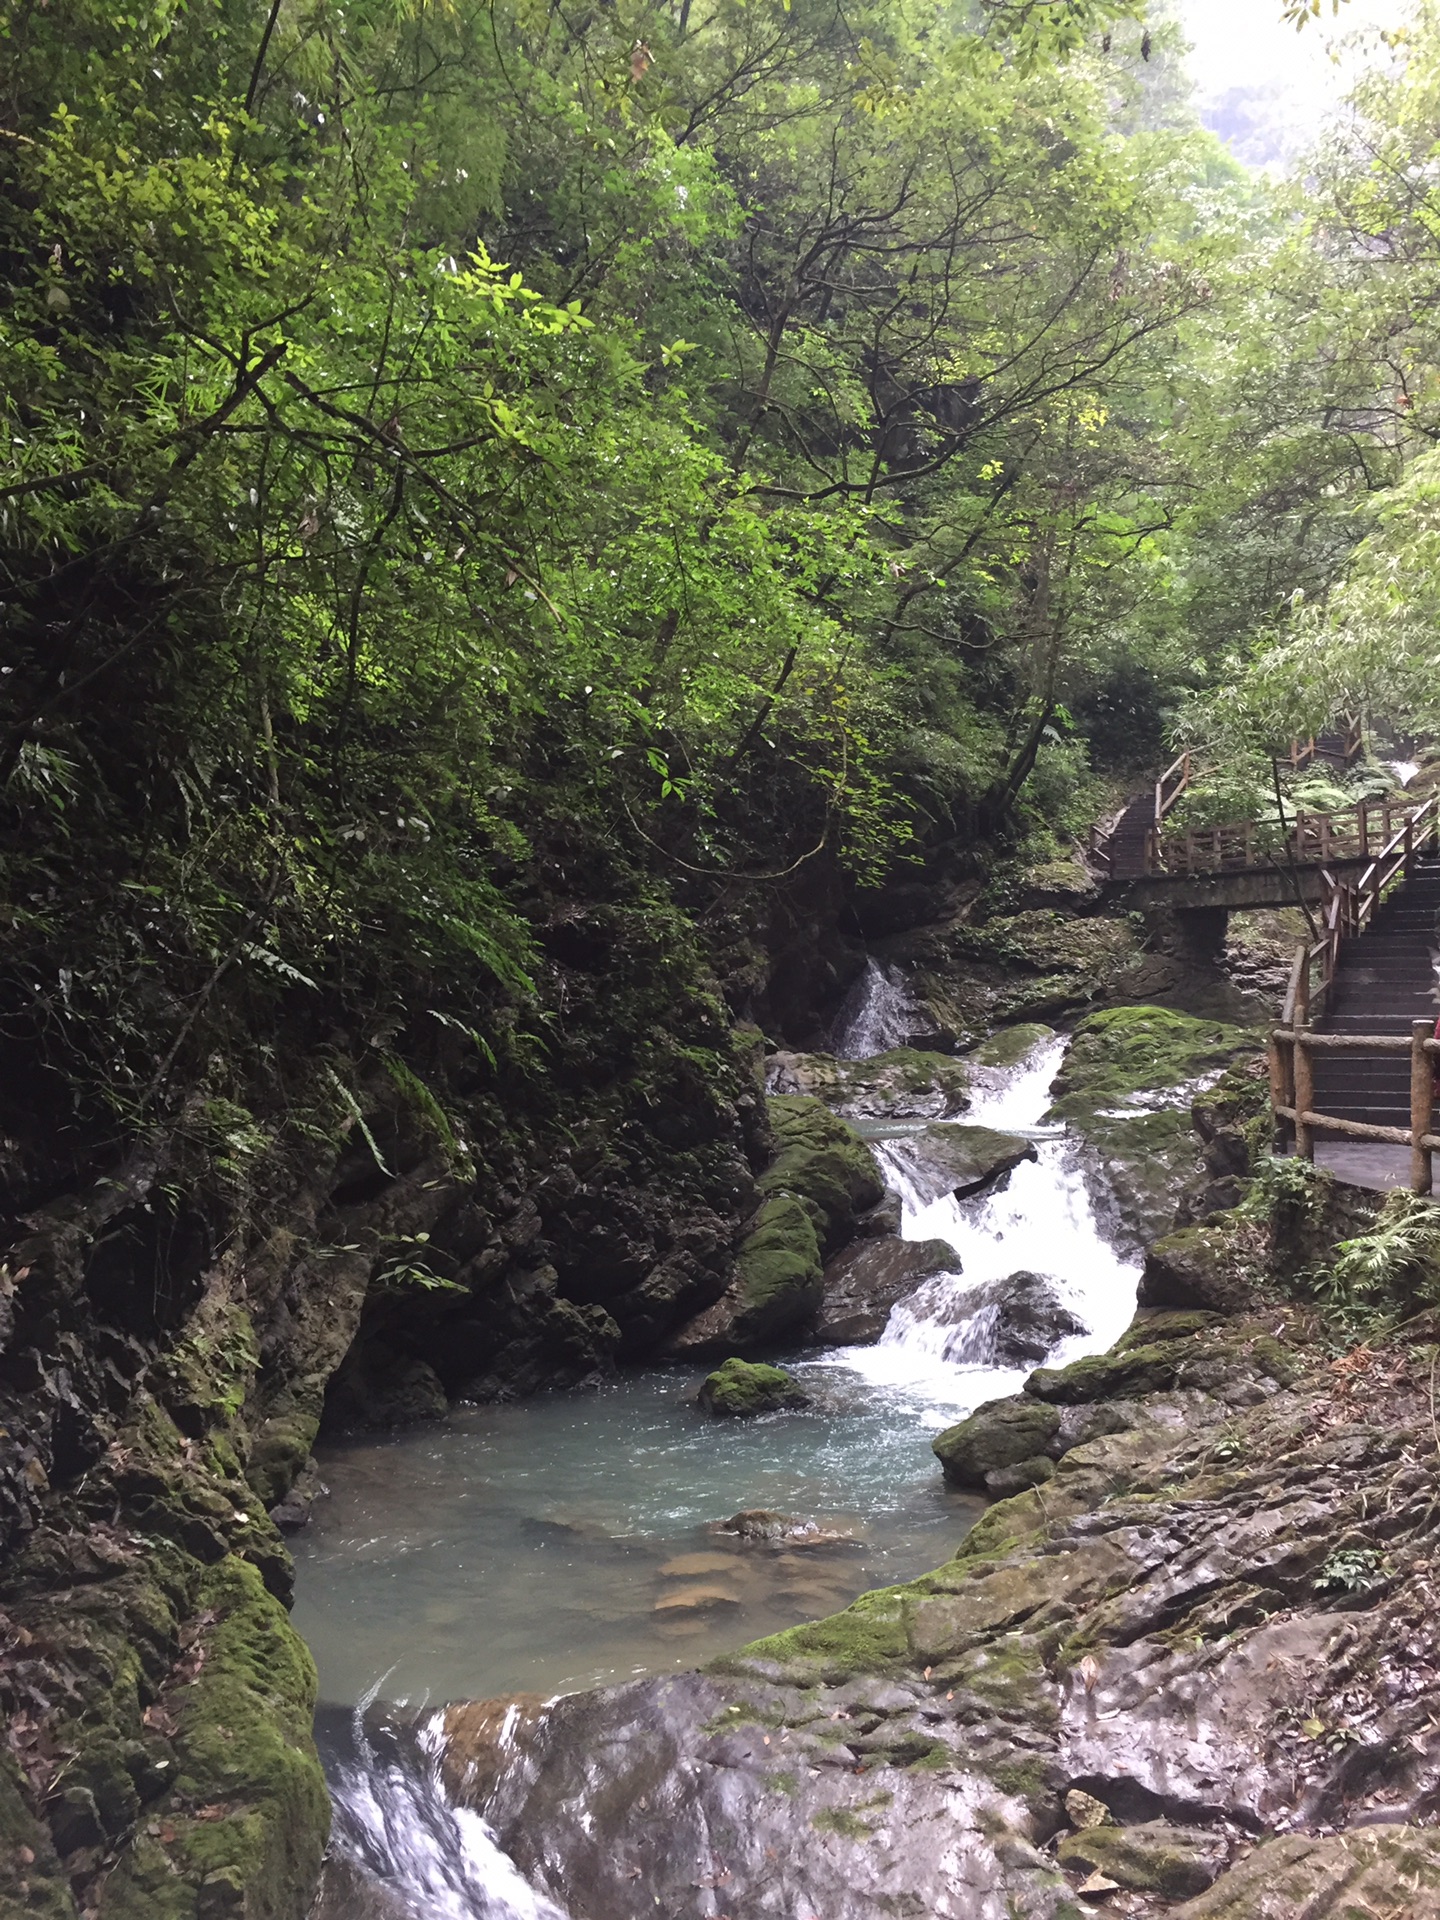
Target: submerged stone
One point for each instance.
(695, 1600)
(744, 1387)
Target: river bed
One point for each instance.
(569, 1541)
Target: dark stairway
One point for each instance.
(1382, 983)
(1126, 845)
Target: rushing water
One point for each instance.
(570, 1540)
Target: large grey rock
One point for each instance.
(1198, 1267)
(960, 1160)
(902, 1084)
(996, 1435)
(864, 1282)
(1030, 1321)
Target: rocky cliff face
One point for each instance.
(323, 1230)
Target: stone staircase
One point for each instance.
(1382, 982)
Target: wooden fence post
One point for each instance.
(1422, 1102)
(1304, 1096)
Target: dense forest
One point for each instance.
(533, 532)
(750, 443)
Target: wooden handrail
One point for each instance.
(1292, 1091)
(1347, 910)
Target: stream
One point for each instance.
(570, 1540)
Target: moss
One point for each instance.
(868, 1637)
(999, 1434)
(847, 1821)
(31, 1878)
(842, 1821)
(823, 1162)
(1024, 1779)
(743, 1387)
(1113, 1376)
(1010, 1045)
(1176, 1863)
(778, 1270)
(1128, 1050)
(1164, 1326)
(205, 1377)
(248, 1809)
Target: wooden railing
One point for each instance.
(1347, 907)
(1304, 752)
(1314, 839)
(1292, 1091)
(1346, 911)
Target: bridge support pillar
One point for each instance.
(1193, 934)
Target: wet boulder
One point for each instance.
(995, 1436)
(824, 1164)
(1030, 1321)
(866, 1280)
(762, 1526)
(900, 1084)
(960, 1160)
(742, 1387)
(1127, 1087)
(822, 1181)
(1197, 1267)
(776, 1288)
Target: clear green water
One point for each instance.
(534, 1547)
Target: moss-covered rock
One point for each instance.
(1223, 1365)
(1200, 1267)
(1127, 1087)
(823, 1163)
(901, 1084)
(1392, 1869)
(743, 1387)
(1009, 1045)
(242, 1829)
(994, 1437)
(1175, 1862)
(1127, 1053)
(777, 1288)
(822, 1178)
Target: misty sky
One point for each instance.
(1262, 85)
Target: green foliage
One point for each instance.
(1350, 1570)
(756, 437)
(1398, 1259)
(1285, 1181)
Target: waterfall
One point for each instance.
(415, 1855)
(877, 1015)
(939, 1339)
